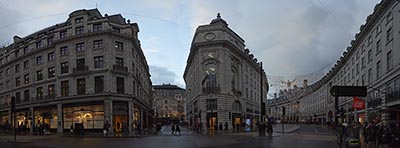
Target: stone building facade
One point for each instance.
(372, 60)
(169, 102)
(84, 71)
(223, 80)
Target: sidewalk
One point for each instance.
(277, 130)
(24, 138)
(166, 130)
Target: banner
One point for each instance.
(358, 103)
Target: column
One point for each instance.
(32, 123)
(141, 119)
(108, 114)
(130, 116)
(10, 118)
(59, 119)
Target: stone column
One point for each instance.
(130, 116)
(141, 119)
(108, 114)
(10, 118)
(59, 119)
(32, 124)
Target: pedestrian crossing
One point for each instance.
(167, 131)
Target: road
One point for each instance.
(306, 137)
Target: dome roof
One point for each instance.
(219, 20)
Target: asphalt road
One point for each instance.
(305, 137)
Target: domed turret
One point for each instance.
(219, 20)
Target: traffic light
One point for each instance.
(339, 91)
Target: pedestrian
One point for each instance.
(178, 129)
(370, 136)
(384, 134)
(237, 127)
(71, 129)
(220, 128)
(269, 128)
(396, 135)
(226, 127)
(106, 128)
(173, 130)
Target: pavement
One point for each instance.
(295, 136)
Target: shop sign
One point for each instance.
(358, 103)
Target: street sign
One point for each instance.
(342, 91)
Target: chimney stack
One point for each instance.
(305, 83)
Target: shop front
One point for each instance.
(120, 117)
(83, 117)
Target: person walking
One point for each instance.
(370, 136)
(106, 128)
(178, 129)
(173, 129)
(226, 127)
(220, 128)
(384, 134)
(396, 135)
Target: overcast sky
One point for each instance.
(290, 37)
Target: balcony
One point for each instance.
(120, 69)
(393, 96)
(375, 102)
(211, 89)
(80, 70)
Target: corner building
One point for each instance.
(223, 80)
(85, 71)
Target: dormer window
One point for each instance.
(97, 27)
(63, 34)
(79, 20)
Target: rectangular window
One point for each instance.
(389, 61)
(97, 44)
(26, 65)
(134, 88)
(17, 68)
(211, 104)
(115, 29)
(64, 50)
(80, 64)
(18, 97)
(99, 84)
(362, 63)
(64, 88)
(17, 81)
(81, 86)
(51, 91)
(363, 80)
(99, 62)
(378, 47)
(39, 93)
(51, 72)
(119, 61)
(80, 47)
(51, 56)
(119, 46)
(370, 76)
(64, 67)
(50, 41)
(26, 50)
(38, 44)
(63, 34)
(97, 27)
(370, 55)
(79, 20)
(79, 30)
(39, 60)
(8, 71)
(16, 54)
(378, 70)
(39, 75)
(369, 40)
(26, 79)
(26, 95)
(120, 85)
(389, 35)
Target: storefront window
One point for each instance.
(91, 116)
(46, 116)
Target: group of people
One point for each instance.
(382, 136)
(175, 129)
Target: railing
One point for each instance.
(394, 96)
(120, 68)
(211, 89)
(80, 69)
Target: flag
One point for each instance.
(358, 103)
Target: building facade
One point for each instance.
(372, 60)
(223, 80)
(170, 102)
(85, 71)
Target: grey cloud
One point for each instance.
(161, 75)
